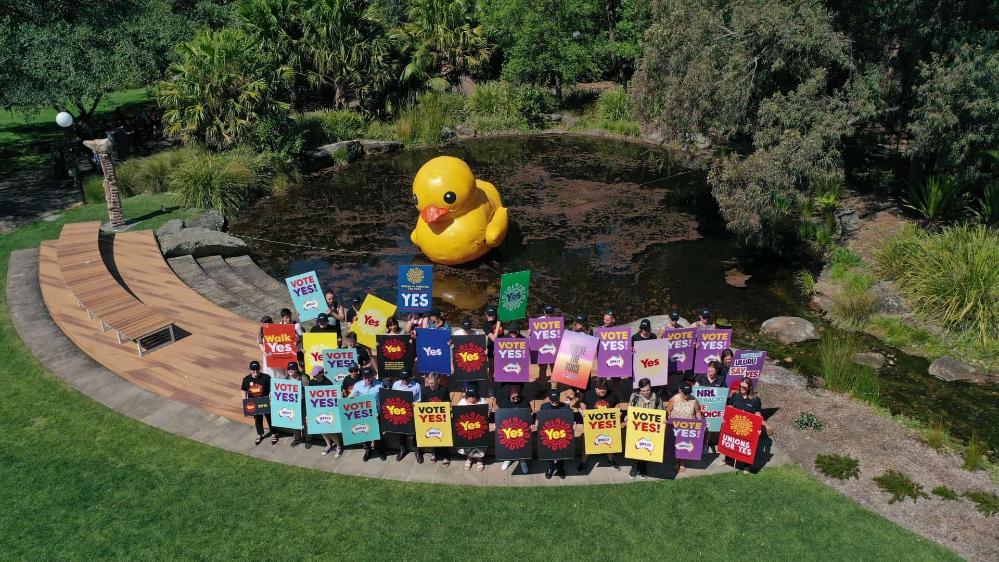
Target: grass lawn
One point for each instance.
(83, 482)
(25, 139)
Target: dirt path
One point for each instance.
(32, 194)
(879, 443)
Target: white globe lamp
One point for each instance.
(64, 119)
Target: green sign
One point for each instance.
(513, 295)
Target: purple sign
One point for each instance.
(681, 347)
(688, 438)
(710, 345)
(544, 335)
(746, 363)
(511, 361)
(613, 352)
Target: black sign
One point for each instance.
(395, 410)
(257, 406)
(470, 358)
(470, 425)
(513, 434)
(395, 353)
(556, 434)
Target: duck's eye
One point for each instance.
(450, 197)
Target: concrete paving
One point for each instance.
(44, 338)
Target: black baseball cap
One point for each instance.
(353, 368)
(674, 315)
(553, 394)
(491, 311)
(466, 323)
(405, 374)
(549, 309)
(435, 313)
(356, 300)
(471, 392)
(686, 389)
(322, 317)
(705, 313)
(254, 365)
(367, 372)
(581, 319)
(292, 365)
(514, 326)
(645, 324)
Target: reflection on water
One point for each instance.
(597, 222)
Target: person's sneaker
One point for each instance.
(308, 445)
(381, 455)
(643, 476)
(633, 473)
(433, 457)
(367, 455)
(524, 467)
(296, 442)
(560, 472)
(419, 457)
(614, 465)
(401, 454)
(338, 453)
(505, 465)
(549, 473)
(581, 467)
(327, 450)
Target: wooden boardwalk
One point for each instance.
(203, 368)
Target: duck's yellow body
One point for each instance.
(461, 218)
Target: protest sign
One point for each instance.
(371, 319)
(338, 361)
(359, 419)
(257, 406)
(470, 358)
(393, 352)
(471, 425)
(513, 434)
(712, 400)
(646, 434)
(321, 409)
(433, 424)
(575, 359)
(313, 344)
(306, 295)
(279, 345)
(395, 409)
(614, 352)
(651, 362)
(602, 430)
(286, 403)
(688, 438)
(513, 295)
(415, 288)
(556, 435)
(710, 345)
(544, 335)
(511, 361)
(433, 350)
(681, 347)
(745, 363)
(740, 435)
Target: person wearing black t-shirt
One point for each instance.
(255, 385)
(600, 396)
(511, 395)
(644, 332)
(323, 325)
(350, 314)
(554, 402)
(747, 401)
(432, 391)
(363, 353)
(335, 311)
(353, 377)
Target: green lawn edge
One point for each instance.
(81, 481)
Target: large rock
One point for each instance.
(949, 369)
(847, 222)
(869, 358)
(888, 300)
(332, 154)
(372, 147)
(172, 226)
(201, 242)
(789, 329)
(210, 219)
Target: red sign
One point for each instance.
(279, 345)
(740, 434)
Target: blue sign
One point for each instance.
(359, 419)
(286, 403)
(321, 408)
(433, 351)
(415, 288)
(306, 295)
(337, 362)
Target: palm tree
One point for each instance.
(443, 38)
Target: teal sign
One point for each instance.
(286, 403)
(359, 419)
(712, 400)
(321, 408)
(306, 295)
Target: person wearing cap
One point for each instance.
(579, 325)
(407, 384)
(300, 436)
(704, 320)
(683, 405)
(334, 311)
(609, 319)
(466, 328)
(644, 331)
(474, 454)
(369, 386)
(600, 396)
(513, 397)
(432, 391)
(672, 323)
(299, 330)
(513, 331)
(334, 441)
(543, 370)
(554, 402)
(323, 325)
(353, 377)
(255, 385)
(643, 398)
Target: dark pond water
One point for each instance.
(602, 225)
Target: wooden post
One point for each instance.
(102, 148)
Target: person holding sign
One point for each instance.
(473, 453)
(407, 384)
(432, 391)
(644, 398)
(514, 398)
(713, 377)
(747, 401)
(683, 405)
(704, 320)
(727, 358)
(301, 435)
(672, 323)
(299, 330)
(600, 396)
(255, 385)
(334, 311)
(369, 386)
(334, 441)
(554, 402)
(323, 325)
(363, 353)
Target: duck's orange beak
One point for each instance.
(433, 213)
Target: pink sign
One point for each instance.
(544, 335)
(614, 352)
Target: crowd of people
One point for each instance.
(363, 378)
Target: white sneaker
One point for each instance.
(506, 465)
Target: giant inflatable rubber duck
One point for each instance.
(461, 218)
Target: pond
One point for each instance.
(601, 224)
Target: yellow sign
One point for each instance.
(313, 344)
(646, 434)
(371, 319)
(433, 424)
(602, 430)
